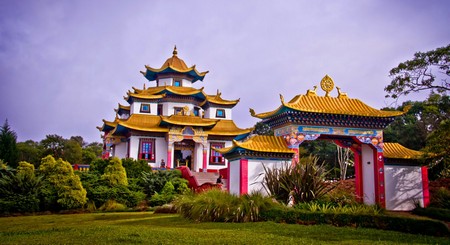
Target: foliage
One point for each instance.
(62, 189)
(420, 73)
(435, 213)
(326, 152)
(218, 206)
(112, 205)
(19, 190)
(261, 128)
(344, 158)
(53, 145)
(99, 165)
(441, 198)
(100, 194)
(378, 221)
(166, 196)
(8, 145)
(328, 207)
(115, 173)
(135, 168)
(304, 181)
(30, 151)
(166, 209)
(72, 151)
(153, 182)
(438, 150)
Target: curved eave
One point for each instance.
(107, 126)
(146, 123)
(121, 109)
(215, 100)
(265, 115)
(143, 96)
(151, 73)
(259, 143)
(228, 128)
(397, 151)
(187, 121)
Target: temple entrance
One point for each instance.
(184, 153)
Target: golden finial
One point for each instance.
(341, 94)
(312, 92)
(252, 112)
(327, 84)
(175, 52)
(282, 99)
(144, 86)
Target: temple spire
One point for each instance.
(175, 52)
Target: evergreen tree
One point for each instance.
(115, 173)
(8, 146)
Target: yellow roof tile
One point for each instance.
(217, 99)
(227, 128)
(395, 150)
(188, 120)
(260, 143)
(172, 89)
(329, 105)
(142, 122)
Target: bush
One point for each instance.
(134, 168)
(440, 198)
(102, 194)
(115, 173)
(153, 182)
(435, 213)
(166, 209)
(61, 188)
(402, 224)
(304, 181)
(218, 206)
(112, 205)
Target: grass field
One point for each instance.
(149, 228)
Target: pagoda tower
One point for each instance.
(171, 123)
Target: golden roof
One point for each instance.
(260, 143)
(341, 105)
(188, 120)
(123, 107)
(227, 128)
(217, 99)
(142, 122)
(144, 96)
(176, 64)
(395, 150)
(172, 89)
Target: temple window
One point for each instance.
(215, 157)
(145, 108)
(196, 111)
(220, 113)
(177, 83)
(147, 149)
(178, 110)
(160, 110)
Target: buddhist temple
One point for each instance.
(171, 123)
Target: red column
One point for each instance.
(205, 159)
(379, 178)
(425, 189)
(169, 156)
(296, 158)
(358, 176)
(243, 182)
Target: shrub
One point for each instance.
(441, 198)
(62, 189)
(98, 166)
(134, 168)
(435, 213)
(115, 173)
(153, 182)
(112, 205)
(304, 181)
(218, 206)
(166, 196)
(166, 209)
(102, 194)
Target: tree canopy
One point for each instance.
(8, 146)
(426, 71)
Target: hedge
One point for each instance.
(385, 222)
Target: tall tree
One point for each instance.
(8, 146)
(261, 128)
(438, 150)
(53, 145)
(426, 71)
(30, 151)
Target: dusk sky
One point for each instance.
(65, 65)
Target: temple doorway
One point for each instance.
(184, 153)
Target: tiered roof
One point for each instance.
(397, 151)
(340, 110)
(174, 65)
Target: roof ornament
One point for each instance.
(341, 95)
(144, 87)
(312, 92)
(282, 99)
(218, 94)
(252, 112)
(175, 52)
(327, 85)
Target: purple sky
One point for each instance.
(64, 65)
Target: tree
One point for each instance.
(115, 173)
(420, 73)
(62, 189)
(344, 159)
(30, 151)
(72, 151)
(8, 146)
(53, 145)
(438, 150)
(261, 128)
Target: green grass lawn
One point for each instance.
(149, 228)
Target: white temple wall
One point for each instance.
(164, 82)
(168, 107)
(135, 108)
(208, 154)
(368, 175)
(234, 178)
(187, 83)
(256, 173)
(120, 150)
(134, 147)
(403, 187)
(211, 113)
(161, 151)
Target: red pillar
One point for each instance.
(169, 156)
(379, 178)
(358, 176)
(205, 159)
(243, 172)
(425, 188)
